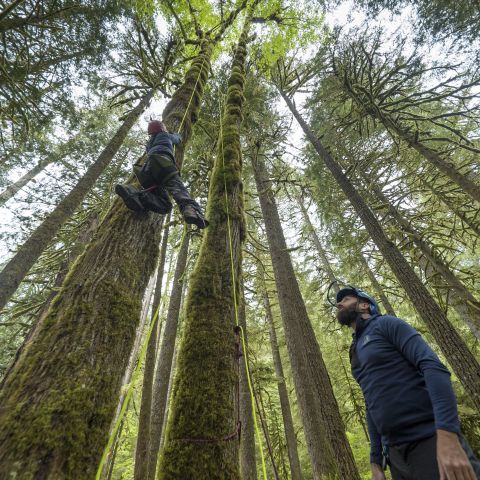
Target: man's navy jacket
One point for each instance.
(407, 390)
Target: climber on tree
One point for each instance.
(411, 407)
(159, 175)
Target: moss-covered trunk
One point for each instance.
(82, 240)
(56, 408)
(27, 254)
(461, 360)
(143, 438)
(202, 437)
(327, 443)
(165, 359)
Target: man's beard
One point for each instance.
(346, 316)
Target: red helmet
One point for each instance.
(156, 126)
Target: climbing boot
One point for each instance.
(194, 216)
(130, 197)
(156, 201)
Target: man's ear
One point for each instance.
(365, 305)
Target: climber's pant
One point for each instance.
(162, 171)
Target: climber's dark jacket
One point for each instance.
(162, 143)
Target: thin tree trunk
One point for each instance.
(357, 406)
(165, 359)
(438, 284)
(111, 460)
(202, 434)
(263, 421)
(248, 464)
(27, 254)
(15, 187)
(329, 450)
(143, 438)
(376, 285)
(295, 470)
(316, 241)
(332, 278)
(453, 347)
(462, 300)
(82, 348)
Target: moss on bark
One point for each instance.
(203, 402)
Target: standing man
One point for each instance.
(159, 175)
(411, 407)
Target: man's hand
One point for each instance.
(377, 472)
(452, 460)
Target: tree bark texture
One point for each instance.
(453, 347)
(248, 464)
(295, 470)
(329, 450)
(71, 375)
(27, 254)
(165, 360)
(143, 438)
(202, 433)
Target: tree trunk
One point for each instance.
(462, 300)
(295, 470)
(248, 464)
(316, 241)
(327, 443)
(202, 433)
(453, 347)
(27, 254)
(15, 187)
(143, 438)
(358, 404)
(165, 359)
(82, 348)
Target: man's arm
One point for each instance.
(437, 378)
(452, 460)
(375, 449)
(176, 138)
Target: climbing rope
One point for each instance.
(237, 322)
